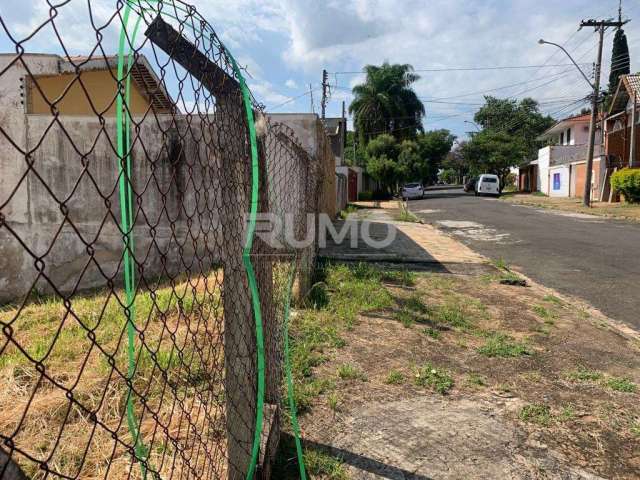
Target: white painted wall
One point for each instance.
(543, 169)
(561, 190)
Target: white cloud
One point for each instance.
(291, 83)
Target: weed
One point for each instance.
(346, 371)
(406, 318)
(501, 264)
(567, 414)
(553, 299)
(621, 384)
(348, 210)
(635, 428)
(416, 304)
(536, 413)
(333, 399)
(320, 464)
(501, 345)
(585, 375)
(432, 332)
(452, 313)
(401, 277)
(476, 379)
(547, 315)
(405, 215)
(438, 379)
(395, 377)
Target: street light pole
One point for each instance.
(600, 26)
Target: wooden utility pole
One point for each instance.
(325, 89)
(600, 27)
(632, 145)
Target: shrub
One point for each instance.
(365, 196)
(627, 182)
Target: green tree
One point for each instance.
(494, 152)
(620, 62)
(455, 161)
(354, 153)
(386, 103)
(434, 146)
(521, 119)
(382, 162)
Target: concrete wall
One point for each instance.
(542, 181)
(311, 134)
(75, 171)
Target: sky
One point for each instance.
(458, 47)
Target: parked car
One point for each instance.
(488, 185)
(412, 190)
(470, 185)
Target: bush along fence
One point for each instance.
(144, 324)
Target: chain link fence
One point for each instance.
(145, 293)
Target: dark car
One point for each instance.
(470, 186)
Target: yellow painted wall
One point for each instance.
(99, 84)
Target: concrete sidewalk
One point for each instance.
(422, 246)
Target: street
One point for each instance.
(589, 257)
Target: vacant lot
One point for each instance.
(406, 375)
(623, 211)
(64, 394)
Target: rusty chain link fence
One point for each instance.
(145, 295)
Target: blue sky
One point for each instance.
(285, 44)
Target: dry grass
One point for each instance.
(624, 211)
(69, 419)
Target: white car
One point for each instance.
(412, 190)
(488, 185)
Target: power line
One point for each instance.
(465, 69)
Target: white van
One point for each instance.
(488, 185)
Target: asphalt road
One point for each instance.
(586, 256)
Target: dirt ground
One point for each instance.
(465, 377)
(621, 210)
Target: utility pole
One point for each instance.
(325, 88)
(311, 98)
(600, 27)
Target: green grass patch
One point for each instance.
(348, 210)
(544, 313)
(538, 413)
(395, 377)
(567, 414)
(432, 332)
(553, 299)
(620, 384)
(346, 371)
(438, 379)
(476, 379)
(501, 345)
(323, 465)
(583, 374)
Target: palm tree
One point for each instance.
(386, 103)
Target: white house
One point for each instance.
(559, 170)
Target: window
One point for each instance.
(489, 180)
(562, 138)
(568, 136)
(556, 181)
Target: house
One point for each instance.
(336, 129)
(84, 85)
(622, 139)
(559, 170)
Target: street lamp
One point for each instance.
(542, 42)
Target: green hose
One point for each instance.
(126, 213)
(126, 207)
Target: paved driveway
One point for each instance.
(586, 256)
